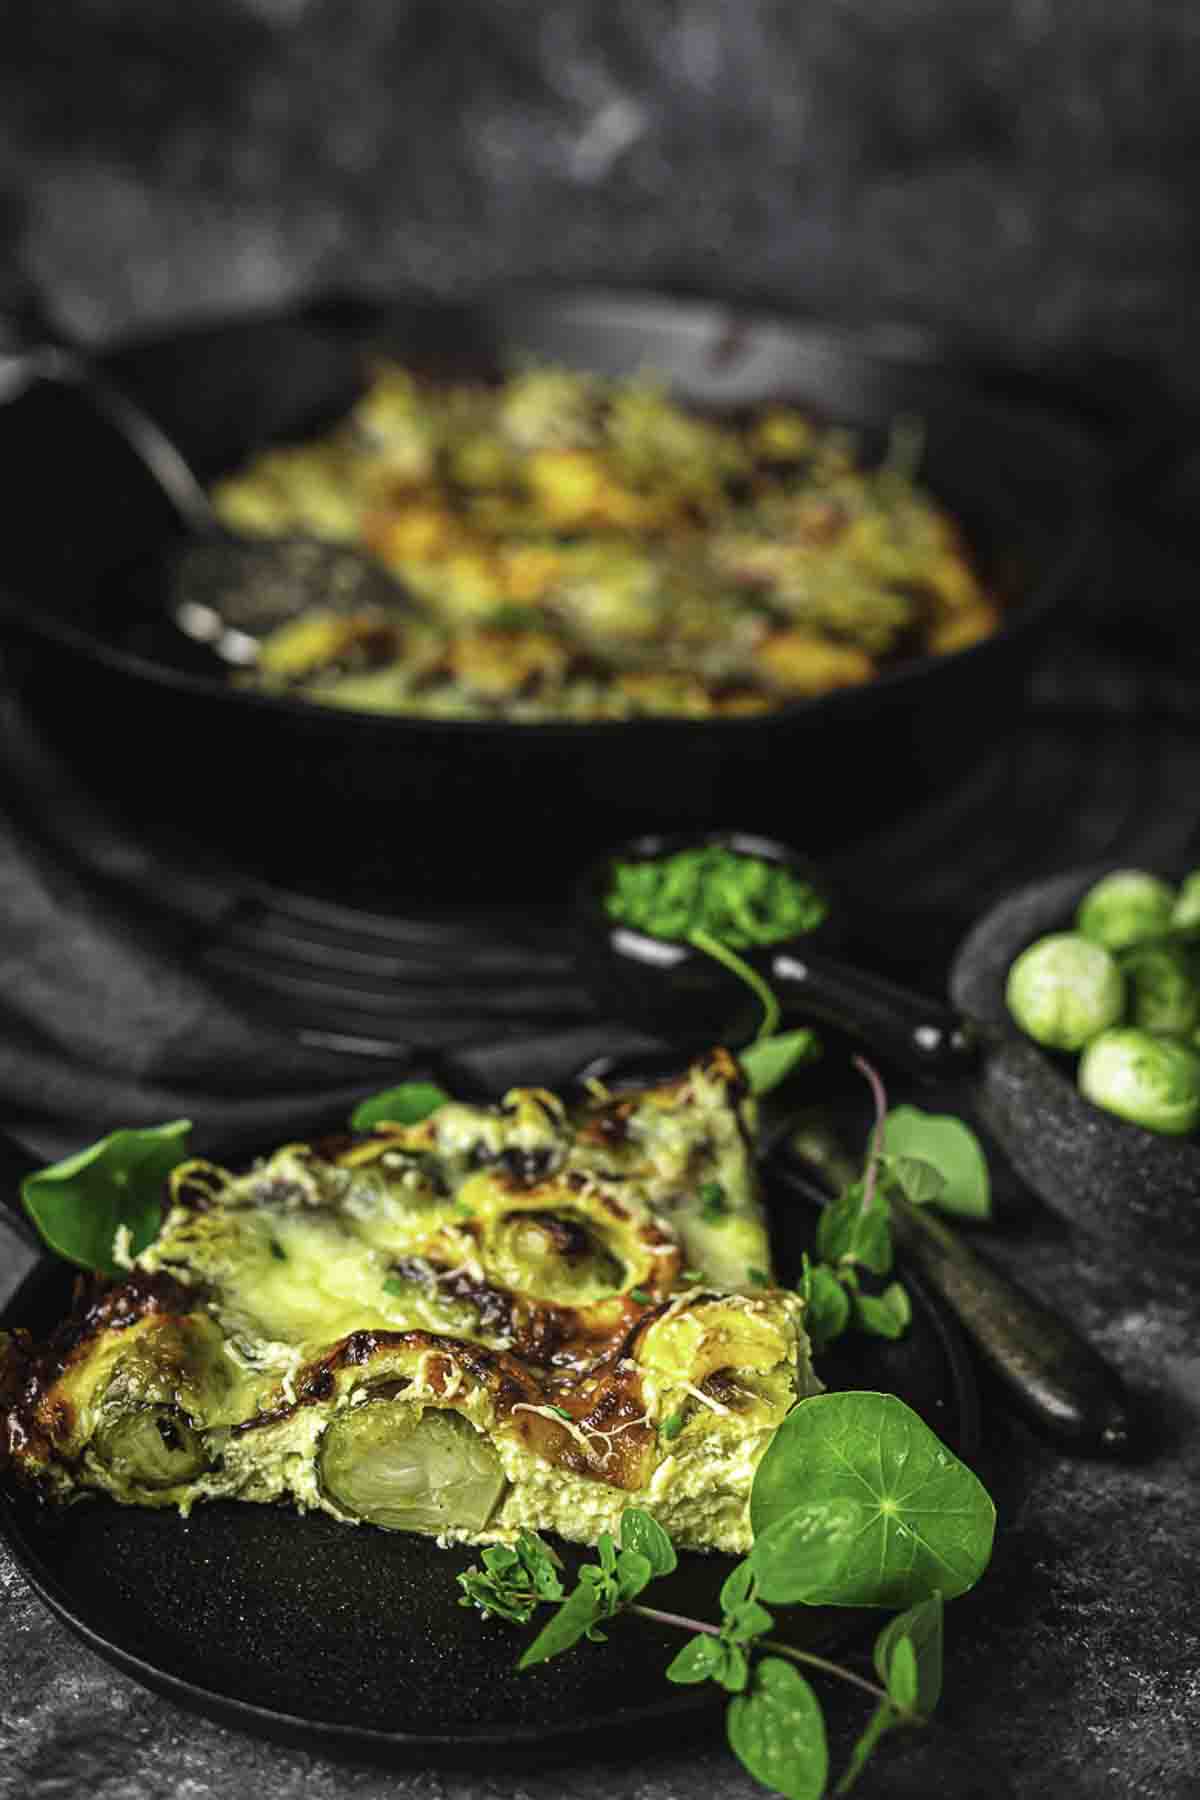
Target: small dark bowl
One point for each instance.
(671, 988)
(1134, 1188)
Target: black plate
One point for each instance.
(305, 1630)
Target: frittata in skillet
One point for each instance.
(588, 549)
(520, 1316)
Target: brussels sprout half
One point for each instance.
(1127, 907)
(408, 1470)
(151, 1447)
(1150, 1081)
(1064, 989)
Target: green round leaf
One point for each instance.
(952, 1148)
(924, 1521)
(406, 1104)
(801, 1553)
(778, 1733)
(80, 1203)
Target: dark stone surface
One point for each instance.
(1017, 173)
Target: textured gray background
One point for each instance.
(1018, 173)
(1015, 174)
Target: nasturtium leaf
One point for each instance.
(953, 1149)
(924, 1521)
(770, 1060)
(407, 1104)
(645, 1535)
(921, 1625)
(918, 1180)
(885, 1315)
(80, 1203)
(850, 1231)
(737, 1586)
(776, 1730)
(882, 1720)
(827, 1304)
(801, 1553)
(699, 1660)
(575, 1618)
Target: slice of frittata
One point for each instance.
(519, 1316)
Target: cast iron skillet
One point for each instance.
(358, 803)
(352, 1641)
(1137, 1190)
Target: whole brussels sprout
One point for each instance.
(1064, 989)
(1164, 996)
(1151, 1081)
(1185, 914)
(1127, 907)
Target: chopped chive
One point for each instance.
(759, 1277)
(713, 1204)
(394, 1286)
(641, 1296)
(278, 1251)
(671, 1428)
(691, 1274)
(562, 1413)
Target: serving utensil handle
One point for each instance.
(923, 1036)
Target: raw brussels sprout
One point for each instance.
(1065, 989)
(1164, 996)
(1185, 914)
(1151, 1081)
(1126, 907)
(425, 1471)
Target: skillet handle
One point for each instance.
(923, 1036)
(26, 361)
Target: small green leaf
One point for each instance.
(745, 1622)
(925, 1522)
(733, 1670)
(902, 1675)
(770, 1060)
(918, 1180)
(884, 1719)
(776, 1730)
(645, 1535)
(672, 1426)
(827, 1304)
(575, 1618)
(885, 1315)
(699, 1660)
(406, 1104)
(849, 1231)
(560, 1412)
(921, 1626)
(395, 1287)
(953, 1149)
(641, 1296)
(80, 1203)
(514, 1581)
(737, 1586)
(803, 1551)
(633, 1573)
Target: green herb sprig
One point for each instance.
(735, 897)
(855, 1503)
(914, 1159)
